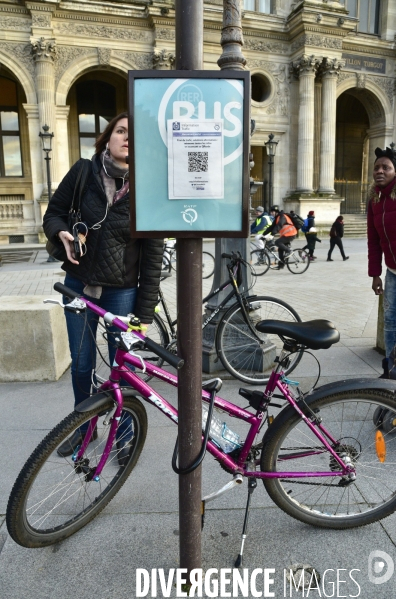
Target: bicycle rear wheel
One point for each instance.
(208, 265)
(329, 501)
(298, 261)
(260, 262)
(250, 357)
(51, 499)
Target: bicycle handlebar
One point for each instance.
(160, 351)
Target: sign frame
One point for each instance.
(136, 201)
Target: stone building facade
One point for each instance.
(323, 82)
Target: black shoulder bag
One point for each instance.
(57, 250)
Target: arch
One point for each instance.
(22, 74)
(373, 98)
(80, 66)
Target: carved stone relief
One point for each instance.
(100, 31)
(343, 76)
(135, 59)
(104, 56)
(361, 80)
(165, 34)
(266, 46)
(20, 53)
(41, 20)
(66, 55)
(162, 59)
(280, 103)
(15, 23)
(386, 84)
(319, 41)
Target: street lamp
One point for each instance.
(271, 151)
(46, 140)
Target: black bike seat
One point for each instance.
(314, 334)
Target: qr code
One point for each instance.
(198, 162)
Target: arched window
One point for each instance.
(96, 106)
(367, 11)
(10, 139)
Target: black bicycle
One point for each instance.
(245, 353)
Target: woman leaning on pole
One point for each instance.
(119, 273)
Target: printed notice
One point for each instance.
(195, 159)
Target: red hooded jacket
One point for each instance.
(381, 228)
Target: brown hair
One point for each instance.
(104, 137)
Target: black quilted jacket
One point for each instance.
(113, 258)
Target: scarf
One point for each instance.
(109, 173)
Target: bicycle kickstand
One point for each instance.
(252, 484)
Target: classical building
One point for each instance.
(323, 75)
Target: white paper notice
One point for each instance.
(195, 159)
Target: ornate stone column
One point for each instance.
(44, 52)
(306, 68)
(231, 37)
(330, 69)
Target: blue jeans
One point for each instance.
(390, 312)
(82, 333)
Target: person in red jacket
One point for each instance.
(283, 225)
(381, 238)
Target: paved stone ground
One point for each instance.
(139, 528)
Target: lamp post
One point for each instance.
(46, 140)
(271, 151)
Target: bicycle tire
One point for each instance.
(38, 522)
(260, 262)
(348, 416)
(173, 259)
(208, 265)
(240, 352)
(166, 265)
(298, 261)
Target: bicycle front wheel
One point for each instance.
(327, 501)
(250, 356)
(298, 261)
(260, 262)
(208, 265)
(51, 498)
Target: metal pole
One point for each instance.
(271, 189)
(189, 56)
(47, 159)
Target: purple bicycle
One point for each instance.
(325, 458)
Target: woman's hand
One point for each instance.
(377, 286)
(67, 240)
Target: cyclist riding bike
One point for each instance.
(260, 225)
(283, 225)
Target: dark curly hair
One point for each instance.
(104, 137)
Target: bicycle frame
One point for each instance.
(236, 466)
(235, 292)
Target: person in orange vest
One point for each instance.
(283, 225)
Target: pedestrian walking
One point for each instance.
(121, 273)
(381, 237)
(336, 235)
(312, 238)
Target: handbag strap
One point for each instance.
(80, 184)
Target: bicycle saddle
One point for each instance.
(314, 334)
